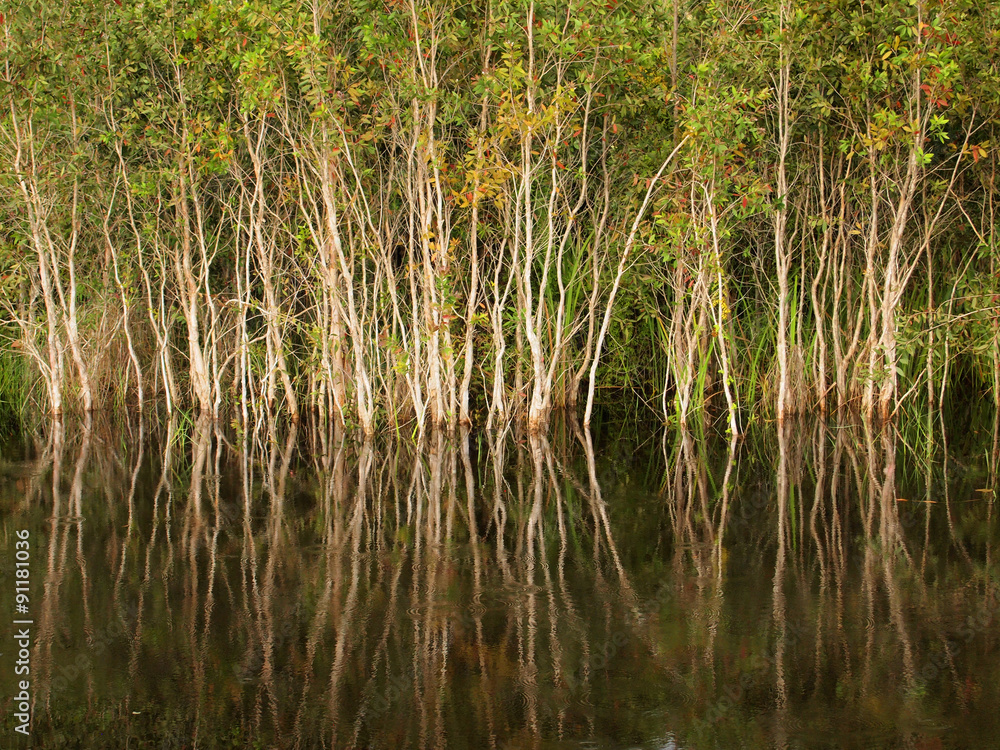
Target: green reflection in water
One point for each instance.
(818, 586)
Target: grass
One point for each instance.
(15, 385)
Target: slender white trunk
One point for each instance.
(630, 240)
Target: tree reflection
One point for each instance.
(309, 590)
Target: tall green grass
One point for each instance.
(15, 385)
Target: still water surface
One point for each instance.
(821, 587)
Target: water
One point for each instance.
(826, 587)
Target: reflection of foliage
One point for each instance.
(362, 589)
